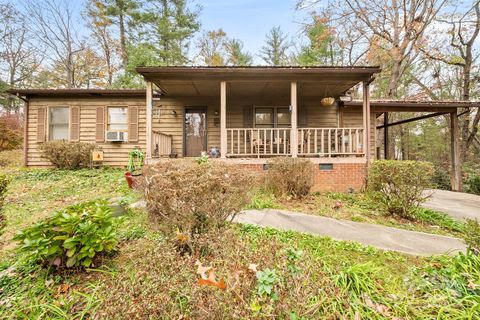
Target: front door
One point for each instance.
(195, 131)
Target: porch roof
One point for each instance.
(256, 80)
(75, 92)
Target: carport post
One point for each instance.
(456, 178)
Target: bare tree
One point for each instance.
(54, 24)
(100, 26)
(212, 48)
(18, 57)
(464, 29)
(399, 26)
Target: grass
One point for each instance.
(308, 277)
(357, 207)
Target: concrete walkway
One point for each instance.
(458, 205)
(382, 237)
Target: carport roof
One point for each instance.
(415, 105)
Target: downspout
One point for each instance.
(25, 131)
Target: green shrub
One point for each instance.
(71, 237)
(290, 177)
(195, 198)
(473, 184)
(471, 235)
(4, 181)
(67, 155)
(441, 179)
(399, 186)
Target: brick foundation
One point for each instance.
(341, 177)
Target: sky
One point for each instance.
(250, 20)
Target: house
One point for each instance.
(243, 114)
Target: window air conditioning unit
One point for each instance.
(116, 136)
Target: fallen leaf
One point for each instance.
(252, 267)
(63, 288)
(201, 270)
(48, 282)
(472, 285)
(211, 281)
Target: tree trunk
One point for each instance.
(123, 41)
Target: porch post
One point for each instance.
(223, 119)
(366, 121)
(293, 132)
(148, 134)
(456, 178)
(385, 136)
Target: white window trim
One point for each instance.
(275, 118)
(48, 122)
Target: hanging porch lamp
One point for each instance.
(327, 101)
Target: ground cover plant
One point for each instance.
(71, 237)
(267, 273)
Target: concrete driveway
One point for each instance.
(382, 237)
(458, 205)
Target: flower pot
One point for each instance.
(130, 179)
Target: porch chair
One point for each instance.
(259, 145)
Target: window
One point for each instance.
(264, 118)
(58, 121)
(117, 119)
(283, 118)
(272, 117)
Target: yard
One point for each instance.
(300, 276)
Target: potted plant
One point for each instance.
(135, 163)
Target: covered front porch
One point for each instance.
(257, 112)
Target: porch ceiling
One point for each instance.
(253, 88)
(247, 81)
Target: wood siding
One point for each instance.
(168, 118)
(115, 154)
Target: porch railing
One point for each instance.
(319, 142)
(327, 142)
(162, 144)
(258, 142)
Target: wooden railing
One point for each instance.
(162, 144)
(327, 142)
(258, 142)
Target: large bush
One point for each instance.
(11, 135)
(399, 186)
(71, 237)
(473, 184)
(195, 198)
(290, 177)
(471, 235)
(67, 155)
(4, 180)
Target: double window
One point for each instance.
(58, 123)
(272, 117)
(117, 119)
